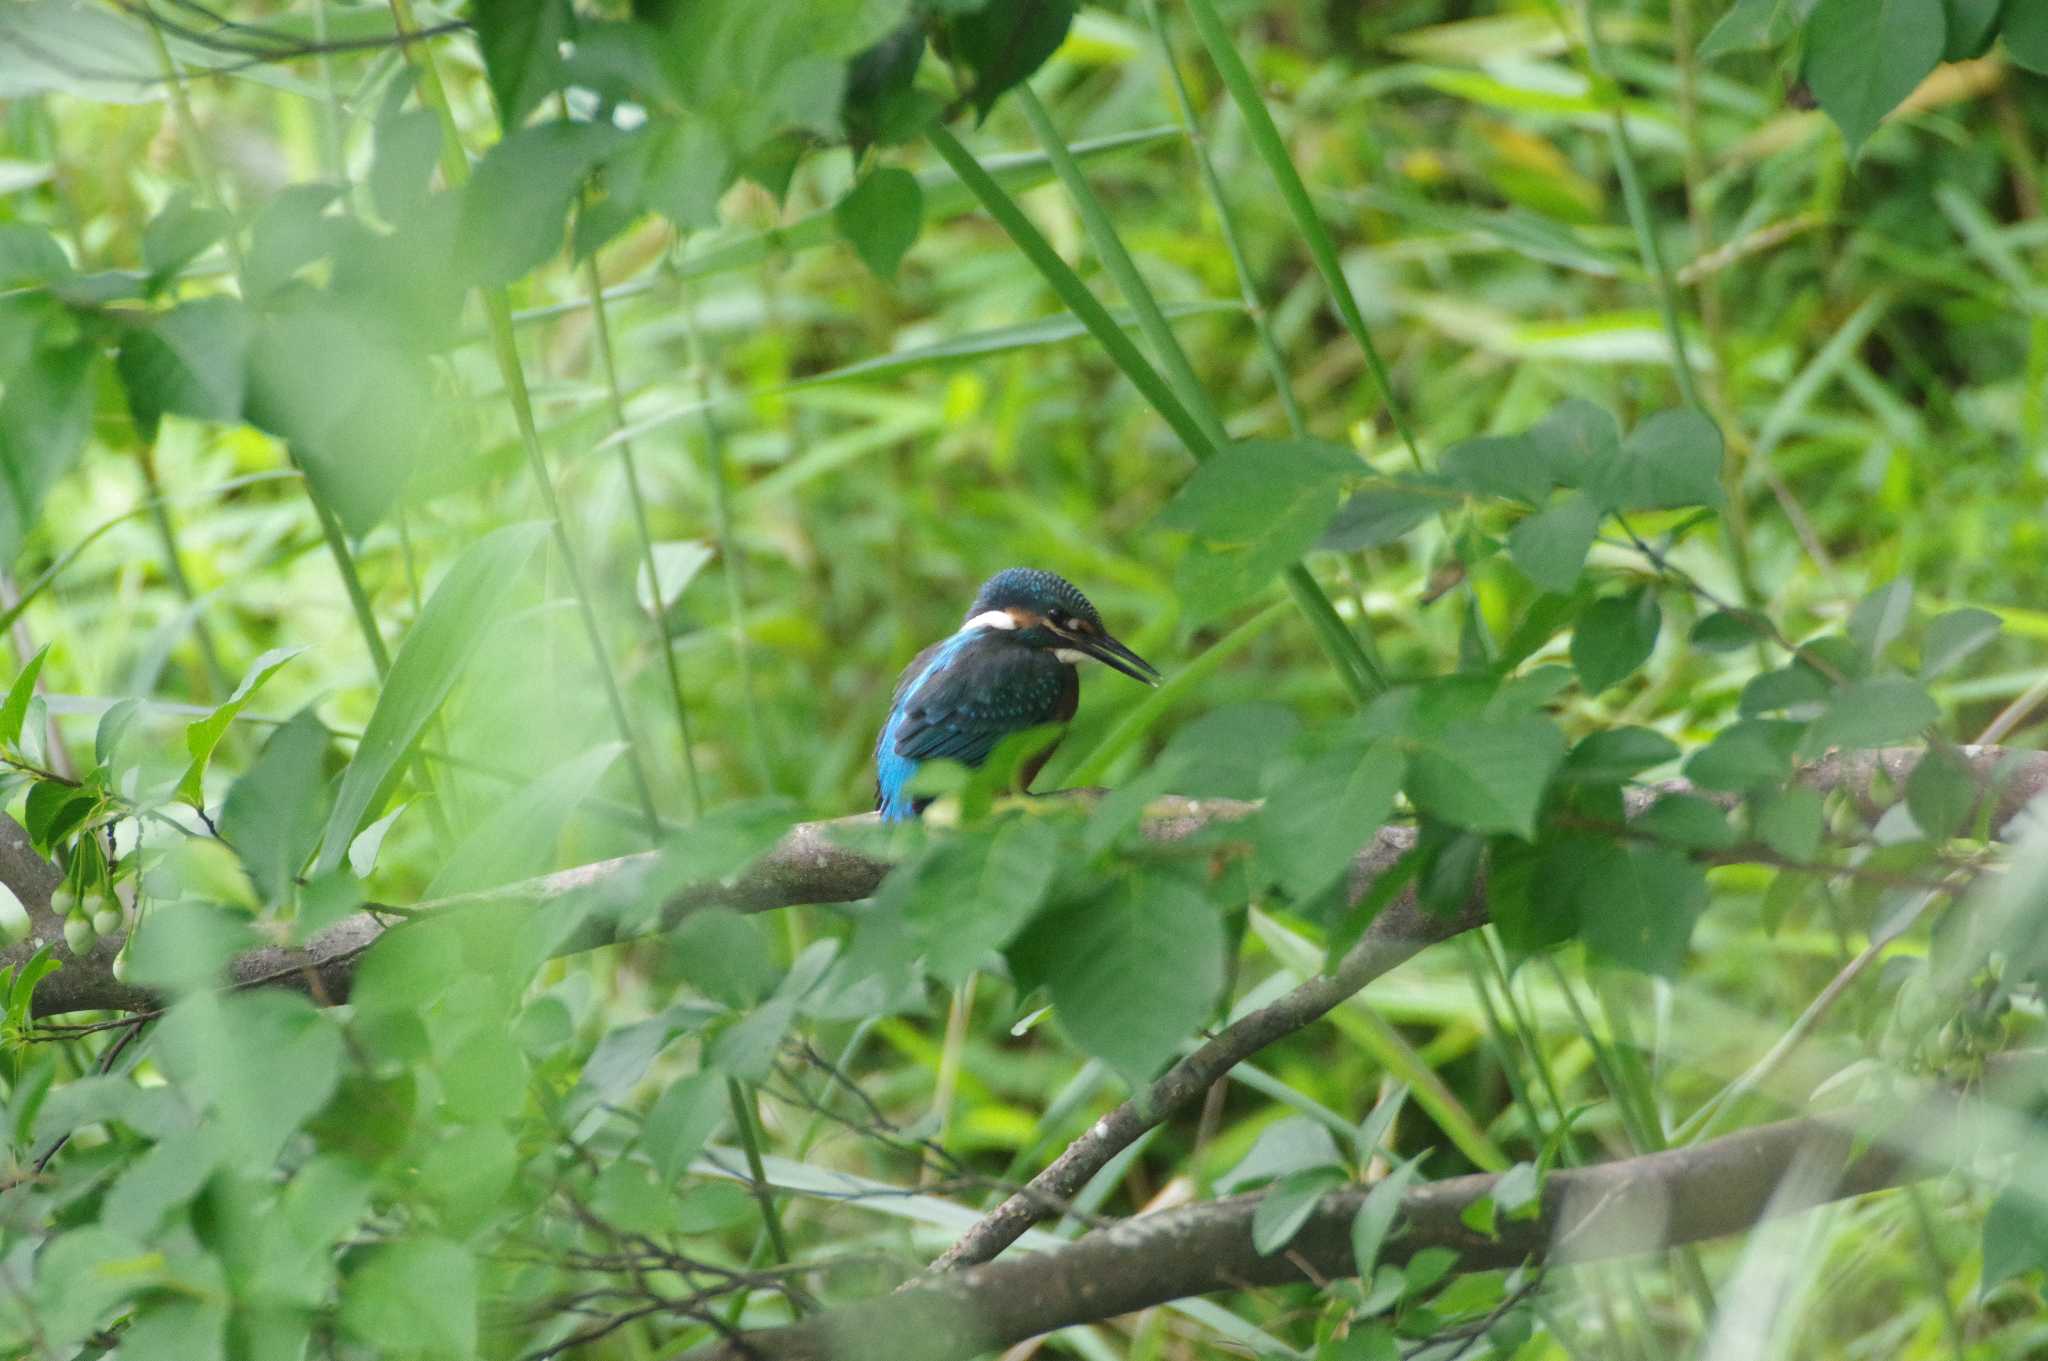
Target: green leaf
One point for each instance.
(1488, 777)
(469, 600)
(675, 565)
(178, 235)
(1972, 24)
(1745, 755)
(203, 736)
(521, 42)
(518, 838)
(1132, 973)
(1753, 25)
(2026, 35)
(2015, 1236)
(1880, 618)
(1314, 820)
(1619, 754)
(1688, 822)
(274, 812)
(1671, 460)
(45, 416)
(687, 1113)
(29, 256)
(1954, 637)
(970, 895)
(192, 361)
(1877, 712)
(1614, 637)
(1551, 546)
(414, 1296)
(1795, 690)
(1864, 56)
(1941, 793)
(1377, 516)
(1790, 821)
(1000, 44)
(1285, 1147)
(881, 217)
(1376, 1215)
(1637, 904)
(1253, 509)
(516, 206)
(259, 1064)
(1287, 1206)
(1517, 467)
(1726, 631)
(15, 708)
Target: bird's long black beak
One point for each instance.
(1116, 656)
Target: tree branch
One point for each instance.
(1622, 1208)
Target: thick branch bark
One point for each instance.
(1622, 1208)
(806, 867)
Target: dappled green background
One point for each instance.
(832, 460)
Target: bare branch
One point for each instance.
(1622, 1208)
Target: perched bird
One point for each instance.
(1010, 667)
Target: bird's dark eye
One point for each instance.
(1059, 620)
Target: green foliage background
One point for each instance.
(325, 488)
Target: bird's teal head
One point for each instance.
(1044, 610)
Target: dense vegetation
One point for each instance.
(1577, 893)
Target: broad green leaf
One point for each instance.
(274, 812)
(1313, 822)
(881, 217)
(970, 894)
(1283, 1148)
(30, 256)
(725, 956)
(1376, 516)
(688, 1112)
(192, 361)
(178, 235)
(1638, 903)
(515, 208)
(1865, 56)
(1751, 26)
(1376, 1215)
(1578, 439)
(1514, 466)
(1487, 777)
(14, 710)
(112, 732)
(746, 1049)
(259, 1063)
(1790, 821)
(518, 838)
(1614, 637)
(1287, 1205)
(1955, 636)
(1671, 460)
(467, 1173)
(1253, 509)
(521, 42)
(1688, 822)
(469, 600)
(1972, 24)
(45, 416)
(1880, 619)
(1745, 755)
(1551, 546)
(1871, 713)
(1619, 754)
(1795, 690)
(1725, 631)
(2026, 35)
(1131, 973)
(1000, 44)
(415, 1297)
(203, 736)
(1941, 793)
(676, 166)
(2015, 1235)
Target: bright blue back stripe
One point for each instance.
(893, 772)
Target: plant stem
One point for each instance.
(1237, 78)
(664, 640)
(505, 348)
(741, 1102)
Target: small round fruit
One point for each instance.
(78, 934)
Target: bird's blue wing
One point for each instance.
(985, 691)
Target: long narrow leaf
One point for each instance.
(426, 668)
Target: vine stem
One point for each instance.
(505, 348)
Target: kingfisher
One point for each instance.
(1011, 666)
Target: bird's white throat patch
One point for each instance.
(1070, 656)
